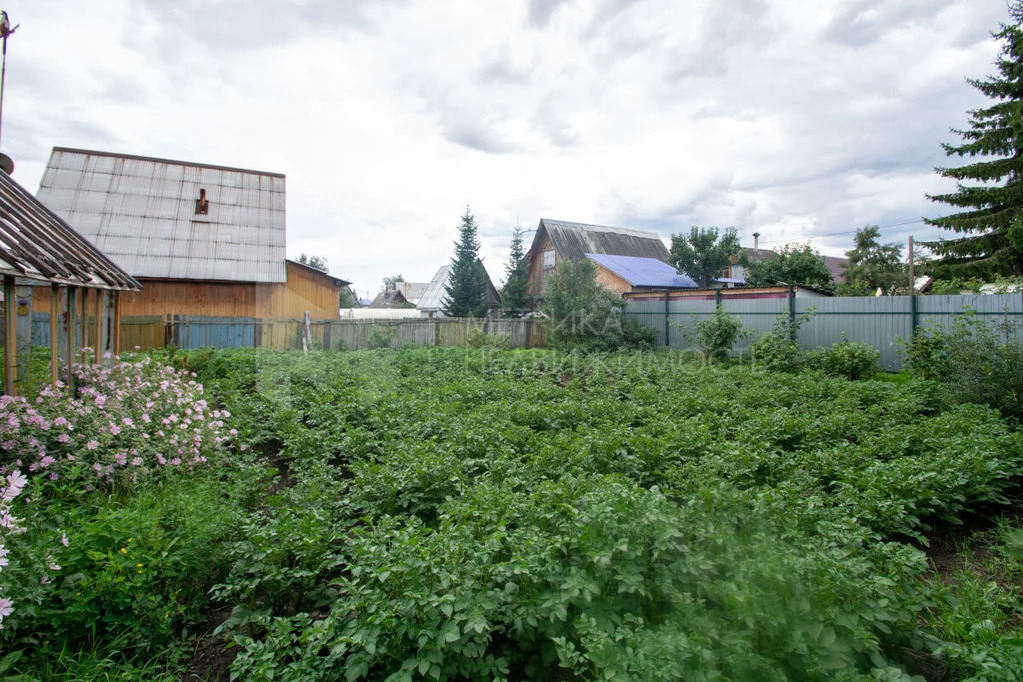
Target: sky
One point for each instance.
(800, 120)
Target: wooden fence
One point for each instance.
(191, 331)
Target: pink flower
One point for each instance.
(64, 438)
(115, 429)
(6, 607)
(136, 462)
(92, 445)
(3, 556)
(101, 400)
(121, 458)
(128, 422)
(47, 461)
(63, 539)
(44, 580)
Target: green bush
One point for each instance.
(382, 337)
(978, 361)
(850, 359)
(777, 350)
(713, 339)
(477, 338)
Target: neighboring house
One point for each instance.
(392, 298)
(557, 241)
(202, 239)
(736, 273)
(413, 291)
(624, 274)
(433, 299)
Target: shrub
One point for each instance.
(382, 337)
(477, 338)
(850, 359)
(980, 362)
(714, 338)
(777, 350)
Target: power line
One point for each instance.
(844, 232)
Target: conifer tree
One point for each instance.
(989, 219)
(466, 287)
(514, 299)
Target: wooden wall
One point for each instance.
(611, 281)
(305, 290)
(537, 276)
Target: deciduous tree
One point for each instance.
(792, 264)
(704, 253)
(873, 265)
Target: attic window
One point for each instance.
(202, 204)
(548, 259)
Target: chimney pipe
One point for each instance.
(756, 240)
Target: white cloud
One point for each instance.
(387, 117)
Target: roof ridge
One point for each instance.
(603, 228)
(156, 159)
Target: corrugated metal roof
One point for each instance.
(433, 299)
(141, 211)
(37, 244)
(643, 272)
(574, 240)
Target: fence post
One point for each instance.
(792, 312)
(912, 313)
(667, 337)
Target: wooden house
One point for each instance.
(557, 241)
(432, 302)
(203, 240)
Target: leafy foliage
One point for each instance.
(850, 359)
(713, 339)
(582, 315)
(989, 218)
(978, 361)
(315, 262)
(792, 264)
(873, 265)
(347, 298)
(466, 288)
(392, 281)
(704, 253)
(778, 350)
(514, 297)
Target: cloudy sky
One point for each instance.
(799, 119)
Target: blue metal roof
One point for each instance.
(643, 272)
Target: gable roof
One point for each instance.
(142, 212)
(433, 299)
(643, 272)
(37, 244)
(573, 241)
(392, 298)
(336, 280)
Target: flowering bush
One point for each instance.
(125, 424)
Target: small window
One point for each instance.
(548, 259)
(202, 205)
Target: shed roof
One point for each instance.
(37, 244)
(142, 212)
(392, 298)
(643, 272)
(433, 299)
(574, 240)
(337, 280)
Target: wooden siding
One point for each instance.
(305, 290)
(537, 277)
(611, 281)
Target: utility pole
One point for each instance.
(912, 273)
(5, 32)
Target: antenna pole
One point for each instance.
(3, 78)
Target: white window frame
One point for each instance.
(548, 259)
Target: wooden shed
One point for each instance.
(38, 248)
(202, 239)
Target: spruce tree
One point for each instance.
(991, 224)
(514, 299)
(466, 287)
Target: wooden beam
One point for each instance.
(117, 325)
(54, 330)
(85, 322)
(71, 351)
(98, 332)
(10, 340)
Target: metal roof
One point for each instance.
(643, 272)
(433, 299)
(573, 241)
(35, 243)
(336, 280)
(142, 212)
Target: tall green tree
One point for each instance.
(392, 282)
(989, 212)
(514, 297)
(873, 265)
(792, 264)
(347, 298)
(315, 262)
(704, 253)
(466, 289)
